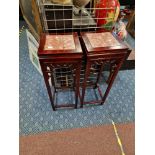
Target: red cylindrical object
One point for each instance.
(108, 9)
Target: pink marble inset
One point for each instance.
(105, 39)
(59, 42)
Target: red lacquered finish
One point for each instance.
(60, 52)
(102, 48)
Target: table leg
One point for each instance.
(88, 65)
(111, 73)
(77, 83)
(52, 80)
(45, 75)
(111, 80)
(99, 75)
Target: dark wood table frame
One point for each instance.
(51, 59)
(114, 55)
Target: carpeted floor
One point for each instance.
(36, 114)
(97, 140)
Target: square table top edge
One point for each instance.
(90, 49)
(43, 52)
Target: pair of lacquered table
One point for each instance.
(61, 58)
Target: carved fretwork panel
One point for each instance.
(97, 68)
(61, 75)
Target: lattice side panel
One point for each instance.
(62, 75)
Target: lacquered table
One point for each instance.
(102, 48)
(60, 58)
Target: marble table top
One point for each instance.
(104, 39)
(59, 42)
